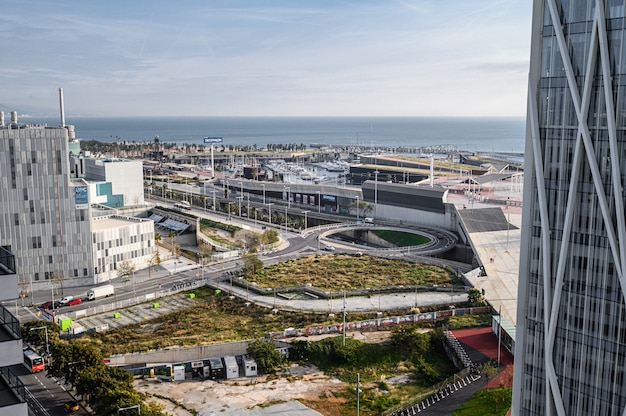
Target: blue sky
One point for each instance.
(266, 58)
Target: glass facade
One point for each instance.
(571, 345)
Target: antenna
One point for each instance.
(62, 107)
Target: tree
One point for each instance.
(171, 235)
(96, 382)
(57, 279)
(37, 337)
(126, 268)
(251, 264)
(411, 343)
(155, 260)
(266, 355)
(475, 297)
(269, 236)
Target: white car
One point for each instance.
(66, 299)
(329, 248)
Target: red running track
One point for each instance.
(483, 341)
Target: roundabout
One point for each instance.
(361, 238)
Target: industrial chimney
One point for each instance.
(1, 118)
(62, 107)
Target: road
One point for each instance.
(45, 395)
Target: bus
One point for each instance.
(33, 361)
(184, 205)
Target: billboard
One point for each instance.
(213, 140)
(81, 197)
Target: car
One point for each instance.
(71, 406)
(329, 248)
(51, 305)
(66, 299)
(46, 305)
(75, 301)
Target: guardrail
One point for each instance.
(14, 383)
(10, 322)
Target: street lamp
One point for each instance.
(263, 185)
(286, 218)
(288, 190)
(269, 207)
(241, 188)
(319, 202)
(376, 172)
(305, 219)
(46, 329)
(357, 207)
(213, 192)
(240, 198)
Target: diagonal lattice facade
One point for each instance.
(571, 336)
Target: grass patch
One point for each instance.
(335, 272)
(468, 321)
(487, 402)
(402, 238)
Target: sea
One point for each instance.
(491, 134)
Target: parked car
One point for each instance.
(66, 299)
(51, 305)
(46, 305)
(75, 301)
(71, 406)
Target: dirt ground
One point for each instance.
(307, 384)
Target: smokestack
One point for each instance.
(62, 107)
(1, 118)
(14, 117)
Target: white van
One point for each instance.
(369, 220)
(66, 299)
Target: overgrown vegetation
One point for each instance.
(337, 272)
(419, 355)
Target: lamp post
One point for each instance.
(286, 218)
(46, 329)
(376, 172)
(240, 198)
(357, 207)
(240, 188)
(288, 191)
(269, 207)
(213, 192)
(319, 202)
(263, 185)
(305, 219)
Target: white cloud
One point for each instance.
(326, 58)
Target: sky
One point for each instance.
(266, 58)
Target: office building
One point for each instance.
(571, 327)
(46, 215)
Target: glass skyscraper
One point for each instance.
(571, 335)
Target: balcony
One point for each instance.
(12, 394)
(11, 351)
(8, 278)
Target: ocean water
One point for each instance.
(469, 134)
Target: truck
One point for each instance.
(100, 292)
